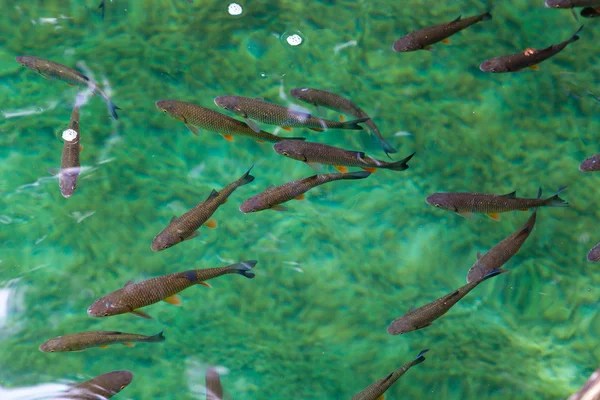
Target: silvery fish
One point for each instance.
(133, 296)
(85, 340)
(51, 70)
(423, 316)
(273, 196)
(102, 387)
(321, 98)
(376, 390)
(273, 114)
(424, 38)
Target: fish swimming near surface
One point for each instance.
(424, 38)
(273, 196)
(85, 340)
(274, 114)
(317, 153)
(502, 252)
(51, 70)
(465, 204)
(214, 390)
(133, 296)
(184, 227)
(590, 164)
(423, 316)
(195, 117)
(69, 165)
(321, 98)
(529, 58)
(376, 390)
(103, 386)
(594, 254)
(590, 390)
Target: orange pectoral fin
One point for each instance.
(286, 128)
(259, 141)
(128, 344)
(316, 129)
(534, 67)
(342, 118)
(211, 223)
(229, 138)
(371, 170)
(204, 284)
(446, 41)
(341, 168)
(301, 197)
(174, 299)
(494, 216)
(104, 346)
(80, 148)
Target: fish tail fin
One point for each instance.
(487, 16)
(356, 175)
(402, 164)
(387, 148)
(113, 108)
(575, 36)
(493, 273)
(243, 268)
(354, 124)
(159, 337)
(556, 201)
(420, 357)
(247, 178)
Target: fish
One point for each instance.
(378, 388)
(321, 98)
(502, 252)
(317, 153)
(529, 58)
(214, 390)
(133, 296)
(571, 3)
(594, 254)
(103, 386)
(273, 196)
(102, 8)
(51, 70)
(69, 165)
(465, 204)
(423, 316)
(590, 390)
(86, 340)
(184, 227)
(273, 114)
(590, 12)
(422, 39)
(194, 116)
(590, 164)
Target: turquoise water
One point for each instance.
(337, 268)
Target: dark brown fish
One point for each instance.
(196, 116)
(85, 340)
(591, 389)
(590, 164)
(184, 227)
(103, 386)
(51, 70)
(590, 12)
(502, 252)
(594, 254)
(273, 196)
(133, 296)
(423, 316)
(214, 390)
(529, 58)
(321, 98)
(273, 114)
(378, 388)
(69, 165)
(572, 3)
(464, 204)
(424, 38)
(317, 153)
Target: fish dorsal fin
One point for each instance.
(510, 195)
(387, 377)
(458, 18)
(479, 255)
(212, 195)
(110, 332)
(129, 282)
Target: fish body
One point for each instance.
(274, 114)
(69, 164)
(104, 386)
(464, 204)
(571, 3)
(321, 98)
(527, 58)
(423, 38)
(590, 164)
(272, 197)
(133, 296)
(184, 227)
(378, 388)
(425, 315)
(85, 340)
(502, 252)
(196, 116)
(214, 390)
(594, 254)
(51, 70)
(318, 153)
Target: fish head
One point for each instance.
(107, 306)
(230, 103)
(249, 206)
(68, 181)
(407, 43)
(493, 65)
(558, 4)
(27, 61)
(163, 241)
(104, 386)
(171, 107)
(51, 345)
(400, 326)
(290, 148)
(590, 164)
(304, 94)
(440, 200)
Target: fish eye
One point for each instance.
(285, 153)
(122, 387)
(165, 111)
(437, 205)
(105, 314)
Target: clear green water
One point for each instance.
(337, 268)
